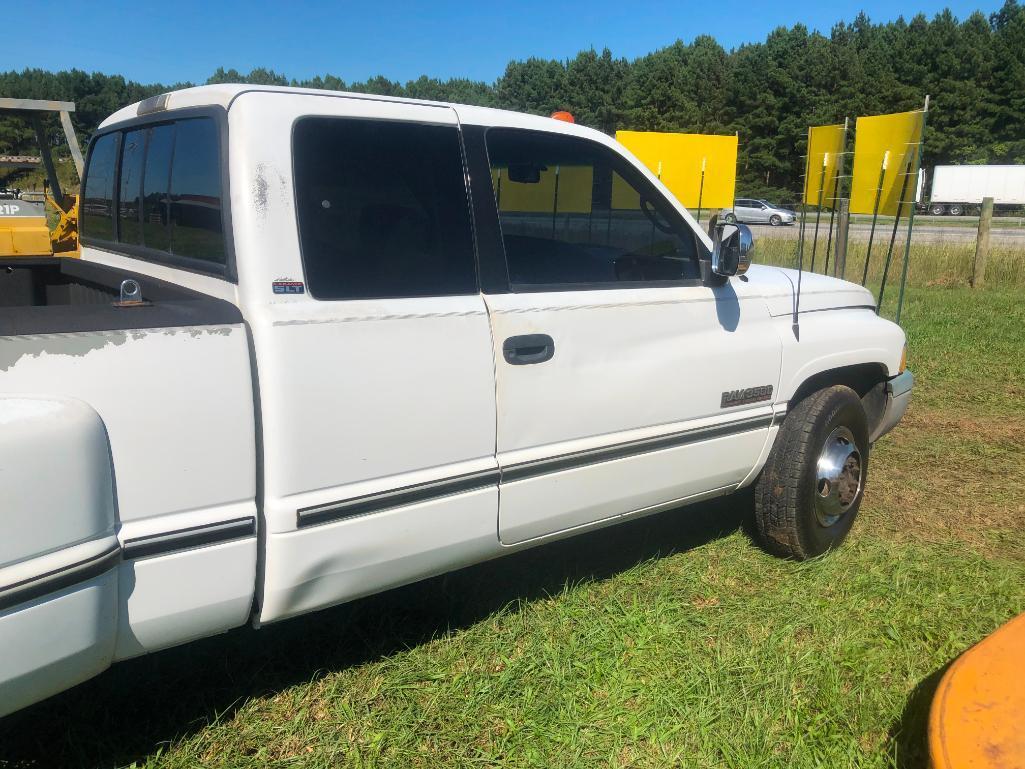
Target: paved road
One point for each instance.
(925, 232)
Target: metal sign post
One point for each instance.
(701, 187)
(842, 222)
(875, 214)
(555, 201)
(818, 209)
(836, 192)
(911, 220)
(893, 234)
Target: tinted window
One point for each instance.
(382, 209)
(98, 198)
(574, 212)
(196, 192)
(156, 214)
(133, 147)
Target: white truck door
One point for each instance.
(616, 368)
(373, 347)
(59, 552)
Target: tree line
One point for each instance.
(768, 92)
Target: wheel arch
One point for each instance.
(867, 379)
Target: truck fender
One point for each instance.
(59, 553)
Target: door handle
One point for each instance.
(527, 349)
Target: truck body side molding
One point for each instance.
(187, 539)
(630, 448)
(44, 584)
(407, 495)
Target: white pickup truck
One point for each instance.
(319, 345)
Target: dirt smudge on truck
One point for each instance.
(266, 175)
(260, 192)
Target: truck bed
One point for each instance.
(160, 397)
(60, 295)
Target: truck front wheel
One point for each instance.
(937, 209)
(810, 489)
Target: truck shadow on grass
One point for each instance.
(142, 705)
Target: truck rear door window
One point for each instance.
(98, 197)
(382, 209)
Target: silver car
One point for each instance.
(753, 211)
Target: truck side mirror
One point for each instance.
(732, 246)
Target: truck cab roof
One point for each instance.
(223, 95)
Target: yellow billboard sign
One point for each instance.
(885, 156)
(681, 160)
(825, 153)
(560, 190)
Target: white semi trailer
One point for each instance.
(957, 190)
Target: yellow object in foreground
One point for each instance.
(23, 230)
(678, 160)
(885, 140)
(979, 708)
(825, 147)
(64, 238)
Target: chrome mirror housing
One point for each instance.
(732, 247)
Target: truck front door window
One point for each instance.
(575, 213)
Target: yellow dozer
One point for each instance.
(24, 229)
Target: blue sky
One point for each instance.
(186, 40)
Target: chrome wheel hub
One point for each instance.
(838, 475)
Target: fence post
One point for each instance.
(982, 243)
(843, 219)
(713, 218)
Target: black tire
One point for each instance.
(937, 209)
(956, 210)
(789, 503)
(730, 219)
(775, 220)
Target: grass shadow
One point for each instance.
(139, 706)
(909, 734)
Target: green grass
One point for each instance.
(931, 264)
(1001, 220)
(668, 641)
